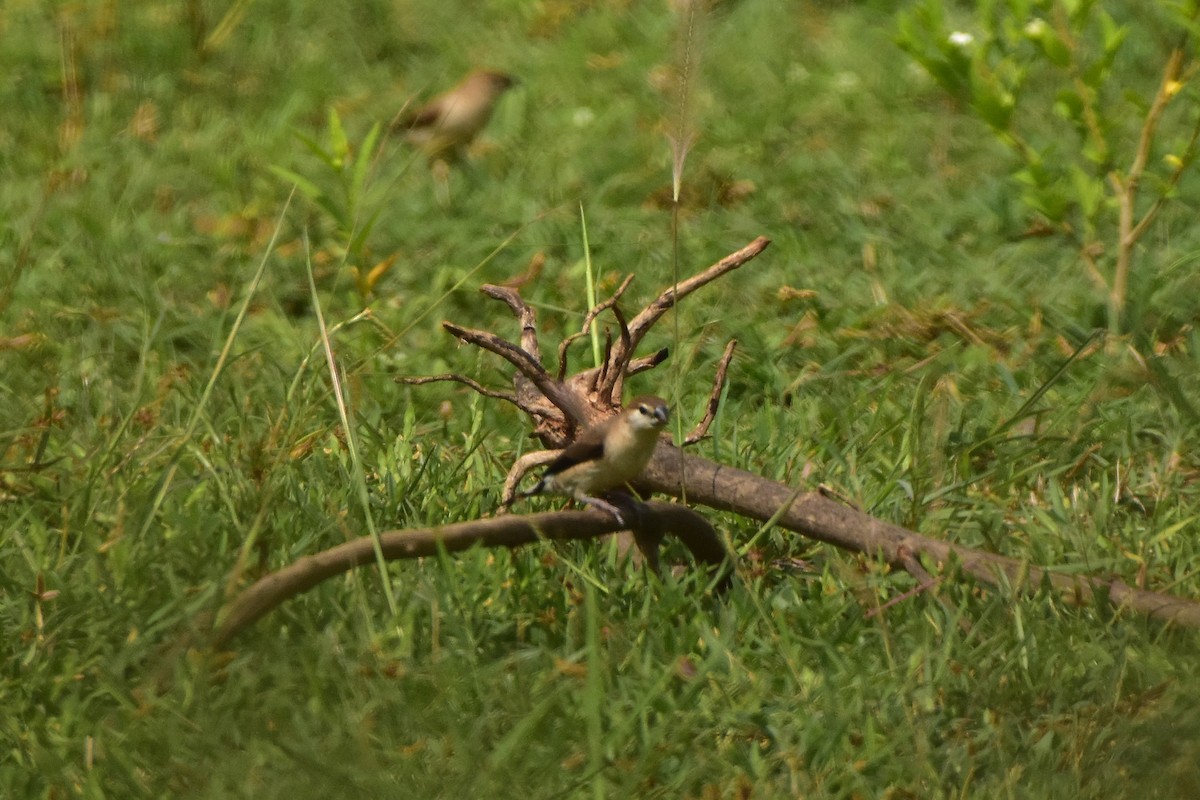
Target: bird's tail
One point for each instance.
(537, 489)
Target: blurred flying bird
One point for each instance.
(446, 125)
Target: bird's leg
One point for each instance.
(440, 169)
(624, 507)
(629, 506)
(603, 505)
(645, 533)
(647, 539)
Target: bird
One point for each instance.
(607, 455)
(446, 125)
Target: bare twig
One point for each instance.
(588, 319)
(614, 381)
(913, 565)
(611, 302)
(563, 347)
(642, 323)
(605, 363)
(646, 363)
(524, 314)
(593, 378)
(714, 397)
(925, 585)
(463, 379)
(570, 404)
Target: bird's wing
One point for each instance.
(424, 117)
(581, 450)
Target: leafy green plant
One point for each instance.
(1030, 69)
(341, 191)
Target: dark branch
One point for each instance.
(645, 320)
(525, 316)
(653, 519)
(463, 379)
(818, 517)
(714, 397)
(555, 392)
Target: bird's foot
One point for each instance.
(625, 514)
(605, 506)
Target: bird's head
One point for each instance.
(648, 413)
(496, 83)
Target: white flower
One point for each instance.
(1035, 28)
(846, 81)
(583, 117)
(796, 73)
(961, 39)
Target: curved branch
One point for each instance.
(611, 302)
(714, 397)
(654, 519)
(522, 467)
(563, 347)
(646, 363)
(614, 378)
(525, 316)
(588, 319)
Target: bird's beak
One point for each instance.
(662, 414)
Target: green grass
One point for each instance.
(138, 500)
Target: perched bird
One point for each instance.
(606, 456)
(444, 126)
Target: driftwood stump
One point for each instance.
(560, 404)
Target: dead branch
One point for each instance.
(563, 346)
(525, 315)
(522, 467)
(611, 387)
(714, 397)
(826, 520)
(644, 321)
(648, 362)
(463, 379)
(589, 318)
(560, 404)
(611, 302)
(531, 369)
(654, 520)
